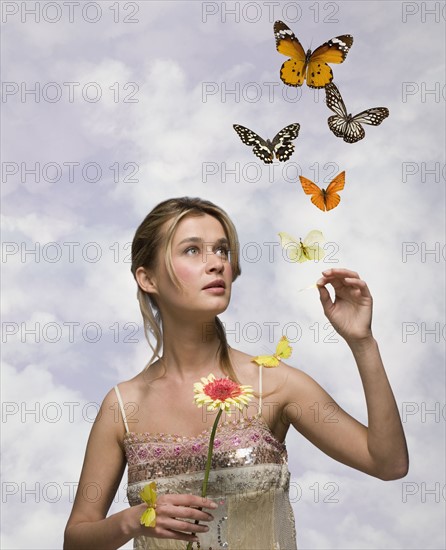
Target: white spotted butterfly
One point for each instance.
(280, 146)
(346, 125)
(311, 66)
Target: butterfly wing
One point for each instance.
(339, 126)
(346, 126)
(338, 123)
(372, 116)
(260, 147)
(317, 195)
(282, 146)
(292, 247)
(334, 100)
(303, 251)
(311, 246)
(266, 360)
(354, 132)
(332, 199)
(292, 71)
(335, 50)
(283, 350)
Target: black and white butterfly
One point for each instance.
(281, 146)
(346, 125)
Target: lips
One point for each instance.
(218, 283)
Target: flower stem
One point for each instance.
(209, 460)
(207, 469)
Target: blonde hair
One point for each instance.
(150, 238)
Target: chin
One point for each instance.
(217, 308)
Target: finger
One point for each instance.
(338, 280)
(187, 500)
(335, 282)
(359, 284)
(176, 535)
(340, 272)
(187, 527)
(324, 296)
(186, 512)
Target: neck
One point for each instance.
(190, 349)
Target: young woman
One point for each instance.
(185, 259)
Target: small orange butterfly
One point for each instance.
(324, 199)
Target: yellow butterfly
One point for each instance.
(148, 495)
(283, 351)
(309, 249)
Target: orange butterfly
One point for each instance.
(324, 199)
(311, 66)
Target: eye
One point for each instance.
(222, 251)
(192, 251)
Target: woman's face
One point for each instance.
(200, 261)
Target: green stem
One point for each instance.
(209, 460)
(207, 469)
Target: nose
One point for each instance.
(214, 263)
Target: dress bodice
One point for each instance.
(242, 442)
(249, 480)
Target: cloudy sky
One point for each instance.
(109, 108)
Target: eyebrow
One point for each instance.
(223, 240)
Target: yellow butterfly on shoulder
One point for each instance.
(283, 351)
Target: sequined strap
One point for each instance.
(260, 388)
(121, 406)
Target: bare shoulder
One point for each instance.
(286, 390)
(135, 389)
(109, 419)
(282, 381)
(123, 396)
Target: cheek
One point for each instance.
(228, 269)
(187, 271)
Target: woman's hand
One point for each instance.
(176, 516)
(351, 311)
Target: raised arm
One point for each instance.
(379, 449)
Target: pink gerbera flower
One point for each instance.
(221, 393)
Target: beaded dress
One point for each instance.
(249, 480)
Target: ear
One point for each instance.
(146, 280)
